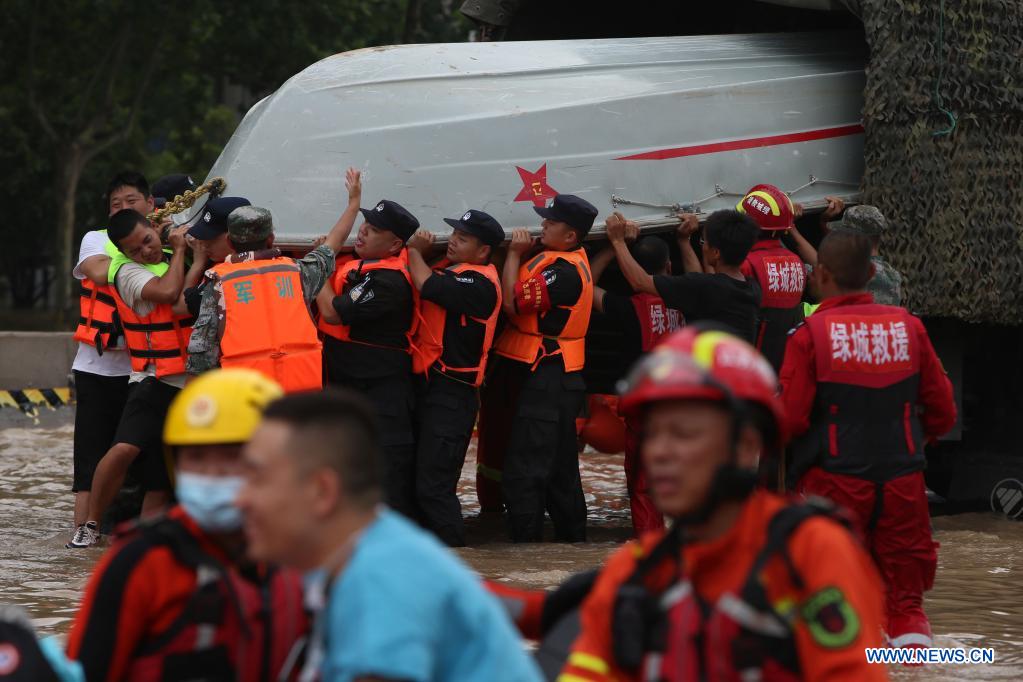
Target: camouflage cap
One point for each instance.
(247, 224)
(864, 219)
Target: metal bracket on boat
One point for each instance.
(617, 201)
(814, 180)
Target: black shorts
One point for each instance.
(142, 426)
(99, 402)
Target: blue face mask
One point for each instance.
(209, 500)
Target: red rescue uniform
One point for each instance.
(789, 589)
(287, 350)
(655, 322)
(782, 278)
(166, 602)
(863, 391)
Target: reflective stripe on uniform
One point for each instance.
(912, 639)
(589, 662)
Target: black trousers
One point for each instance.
(447, 413)
(142, 426)
(393, 400)
(541, 467)
(99, 402)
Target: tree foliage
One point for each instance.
(91, 88)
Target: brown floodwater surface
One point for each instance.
(977, 599)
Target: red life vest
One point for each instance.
(288, 350)
(656, 320)
(429, 340)
(341, 285)
(741, 636)
(232, 628)
(161, 337)
(522, 341)
(99, 325)
(782, 278)
(865, 420)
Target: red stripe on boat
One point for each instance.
(750, 143)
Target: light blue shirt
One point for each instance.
(405, 608)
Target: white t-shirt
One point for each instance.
(131, 280)
(115, 361)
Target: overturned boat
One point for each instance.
(643, 125)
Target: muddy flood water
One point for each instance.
(977, 599)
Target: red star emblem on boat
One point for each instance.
(534, 186)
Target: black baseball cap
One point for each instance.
(170, 186)
(212, 221)
(481, 225)
(392, 216)
(578, 213)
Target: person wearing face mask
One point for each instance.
(745, 584)
(368, 318)
(175, 597)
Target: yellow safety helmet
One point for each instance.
(220, 407)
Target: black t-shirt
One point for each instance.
(193, 298)
(465, 295)
(713, 296)
(377, 306)
(622, 312)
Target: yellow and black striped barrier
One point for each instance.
(29, 399)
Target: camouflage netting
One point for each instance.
(954, 202)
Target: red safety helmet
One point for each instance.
(700, 364)
(769, 207)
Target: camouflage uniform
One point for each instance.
(247, 224)
(886, 285)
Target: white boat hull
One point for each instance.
(504, 126)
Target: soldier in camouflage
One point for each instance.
(250, 230)
(886, 285)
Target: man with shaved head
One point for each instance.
(864, 392)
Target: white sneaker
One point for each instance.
(86, 535)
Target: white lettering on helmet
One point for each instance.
(467, 216)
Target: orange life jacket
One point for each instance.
(161, 337)
(343, 332)
(522, 339)
(267, 325)
(99, 325)
(429, 340)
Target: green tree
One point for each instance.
(90, 88)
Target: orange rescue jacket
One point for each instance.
(823, 587)
(429, 340)
(161, 337)
(99, 325)
(342, 332)
(522, 339)
(267, 325)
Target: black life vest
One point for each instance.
(865, 419)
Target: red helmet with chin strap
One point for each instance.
(769, 207)
(698, 364)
